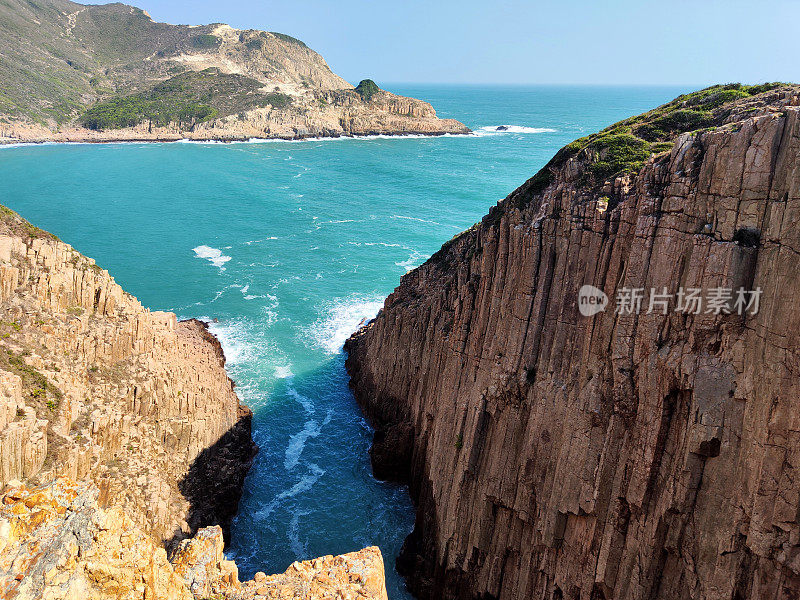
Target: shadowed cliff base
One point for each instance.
(214, 482)
(629, 455)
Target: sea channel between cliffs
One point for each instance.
(319, 234)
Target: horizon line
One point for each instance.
(558, 84)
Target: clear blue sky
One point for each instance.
(480, 41)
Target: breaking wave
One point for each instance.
(500, 129)
(212, 255)
(341, 318)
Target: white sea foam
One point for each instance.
(299, 548)
(340, 318)
(418, 219)
(33, 144)
(413, 261)
(283, 371)
(411, 136)
(501, 129)
(246, 288)
(201, 142)
(16, 145)
(304, 401)
(384, 244)
(233, 340)
(212, 255)
(251, 242)
(248, 342)
(297, 442)
(270, 310)
(305, 483)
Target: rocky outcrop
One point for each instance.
(57, 543)
(626, 455)
(95, 386)
(328, 113)
(354, 576)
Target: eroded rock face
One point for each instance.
(57, 543)
(92, 385)
(624, 456)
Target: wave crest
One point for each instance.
(212, 255)
(341, 318)
(501, 129)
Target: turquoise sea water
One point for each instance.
(289, 245)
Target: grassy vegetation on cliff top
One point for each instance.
(54, 51)
(625, 146)
(11, 223)
(289, 39)
(58, 58)
(186, 99)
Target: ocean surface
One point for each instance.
(288, 246)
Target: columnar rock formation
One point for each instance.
(649, 454)
(138, 409)
(94, 385)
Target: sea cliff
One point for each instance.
(626, 455)
(96, 386)
(123, 445)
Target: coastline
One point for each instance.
(20, 142)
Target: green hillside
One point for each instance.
(104, 65)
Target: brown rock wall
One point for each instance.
(94, 385)
(617, 456)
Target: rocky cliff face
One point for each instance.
(94, 385)
(623, 455)
(138, 409)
